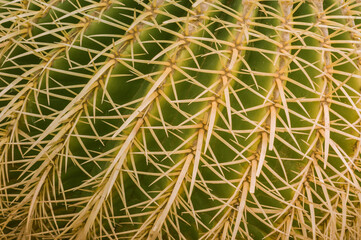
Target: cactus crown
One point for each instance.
(180, 119)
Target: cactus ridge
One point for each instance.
(180, 119)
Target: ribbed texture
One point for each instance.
(163, 119)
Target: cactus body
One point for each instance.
(164, 119)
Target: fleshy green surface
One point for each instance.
(232, 119)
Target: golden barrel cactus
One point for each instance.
(180, 119)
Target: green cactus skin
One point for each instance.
(180, 119)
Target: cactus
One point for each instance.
(180, 119)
